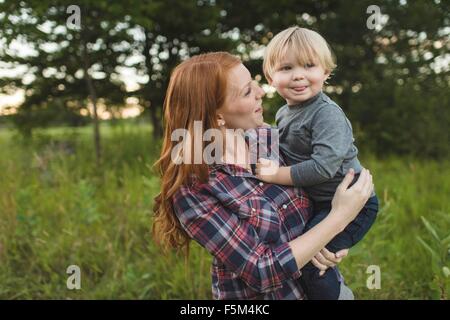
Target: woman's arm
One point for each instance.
(346, 205)
(234, 241)
(262, 266)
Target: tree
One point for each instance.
(172, 31)
(388, 79)
(379, 70)
(69, 66)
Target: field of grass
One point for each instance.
(58, 209)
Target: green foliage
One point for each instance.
(62, 59)
(439, 249)
(392, 81)
(408, 190)
(401, 119)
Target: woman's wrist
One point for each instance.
(337, 219)
(306, 246)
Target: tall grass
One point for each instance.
(408, 190)
(58, 209)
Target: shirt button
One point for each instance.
(261, 184)
(253, 209)
(284, 206)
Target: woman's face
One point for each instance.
(243, 105)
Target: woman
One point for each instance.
(253, 230)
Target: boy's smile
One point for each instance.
(297, 83)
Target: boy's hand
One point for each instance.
(270, 171)
(267, 170)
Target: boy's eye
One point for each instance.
(248, 91)
(284, 68)
(309, 65)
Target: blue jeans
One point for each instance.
(327, 286)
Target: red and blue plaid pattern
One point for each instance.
(246, 225)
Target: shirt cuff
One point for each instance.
(285, 257)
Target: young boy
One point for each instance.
(316, 141)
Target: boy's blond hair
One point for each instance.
(308, 46)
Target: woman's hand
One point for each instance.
(326, 259)
(348, 202)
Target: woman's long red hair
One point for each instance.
(197, 88)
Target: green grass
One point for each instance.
(58, 209)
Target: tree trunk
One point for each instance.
(152, 105)
(156, 123)
(93, 98)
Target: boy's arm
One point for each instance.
(331, 139)
(269, 171)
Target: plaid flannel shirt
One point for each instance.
(246, 225)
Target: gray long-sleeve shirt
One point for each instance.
(316, 140)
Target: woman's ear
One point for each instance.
(220, 120)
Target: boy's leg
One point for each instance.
(356, 229)
(316, 287)
(327, 286)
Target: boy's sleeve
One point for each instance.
(331, 138)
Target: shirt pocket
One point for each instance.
(249, 207)
(300, 140)
(262, 216)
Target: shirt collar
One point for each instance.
(231, 169)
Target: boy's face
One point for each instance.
(297, 83)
